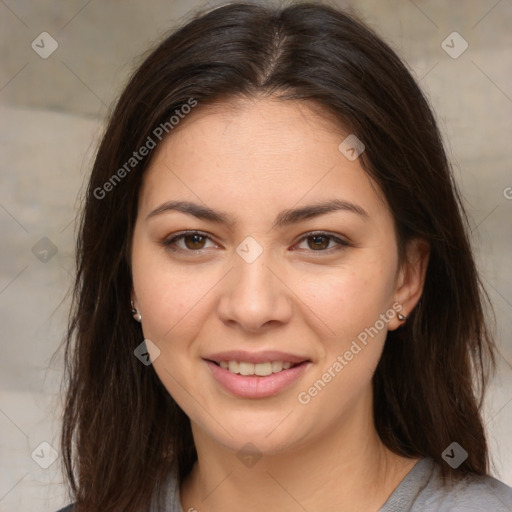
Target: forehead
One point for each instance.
(260, 152)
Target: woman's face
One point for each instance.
(271, 279)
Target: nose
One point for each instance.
(254, 297)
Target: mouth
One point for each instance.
(248, 368)
(259, 374)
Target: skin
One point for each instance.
(252, 159)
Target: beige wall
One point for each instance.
(52, 112)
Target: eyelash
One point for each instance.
(168, 242)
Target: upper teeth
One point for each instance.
(261, 369)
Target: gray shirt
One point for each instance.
(421, 490)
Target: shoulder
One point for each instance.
(474, 493)
(171, 496)
(424, 490)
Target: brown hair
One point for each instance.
(122, 430)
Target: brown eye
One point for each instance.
(322, 242)
(319, 242)
(188, 242)
(194, 241)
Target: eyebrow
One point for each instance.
(283, 219)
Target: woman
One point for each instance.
(276, 304)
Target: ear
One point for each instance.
(411, 278)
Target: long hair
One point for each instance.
(122, 431)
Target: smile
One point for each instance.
(260, 369)
(245, 379)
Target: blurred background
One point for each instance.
(62, 66)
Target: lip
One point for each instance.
(253, 386)
(255, 357)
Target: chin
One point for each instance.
(265, 435)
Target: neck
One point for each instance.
(347, 468)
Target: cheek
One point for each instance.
(170, 296)
(350, 305)
(350, 301)
(172, 301)
(347, 299)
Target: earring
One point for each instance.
(401, 317)
(136, 315)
